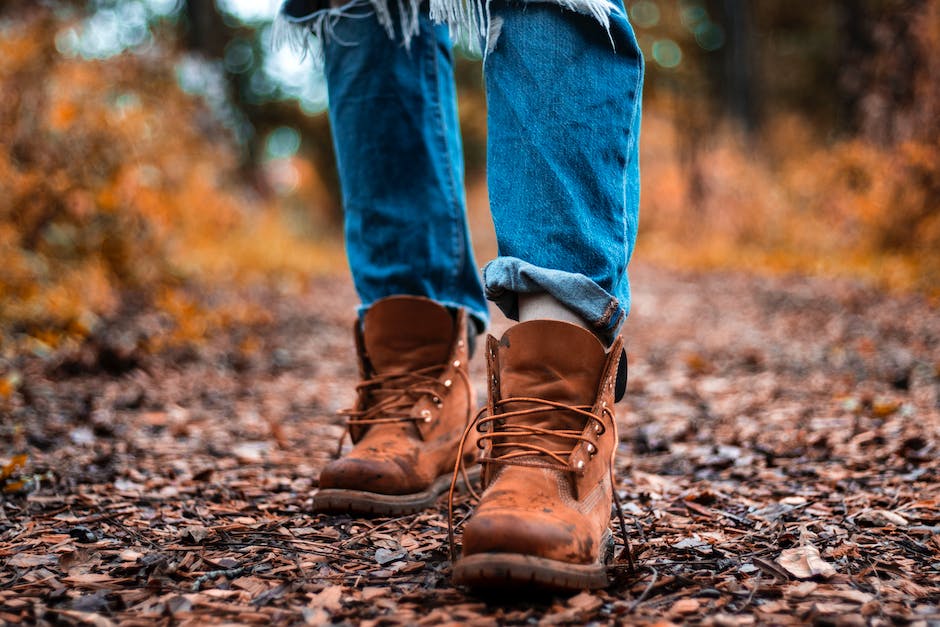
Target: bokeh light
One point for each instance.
(667, 53)
(282, 142)
(709, 35)
(117, 26)
(645, 14)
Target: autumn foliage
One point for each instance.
(798, 196)
(117, 186)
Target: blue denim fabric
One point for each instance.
(564, 111)
(564, 100)
(395, 129)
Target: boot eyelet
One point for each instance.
(597, 428)
(591, 448)
(448, 383)
(437, 400)
(460, 343)
(426, 414)
(456, 363)
(580, 464)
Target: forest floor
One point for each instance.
(779, 464)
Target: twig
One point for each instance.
(639, 525)
(372, 530)
(229, 573)
(649, 587)
(750, 597)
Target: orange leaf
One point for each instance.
(18, 462)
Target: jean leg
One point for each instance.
(395, 129)
(564, 101)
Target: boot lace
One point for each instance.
(515, 441)
(394, 395)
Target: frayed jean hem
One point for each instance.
(469, 21)
(505, 278)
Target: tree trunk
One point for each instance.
(207, 32)
(735, 71)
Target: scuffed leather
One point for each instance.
(550, 513)
(401, 334)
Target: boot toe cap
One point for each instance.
(381, 476)
(537, 532)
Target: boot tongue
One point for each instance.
(405, 333)
(555, 361)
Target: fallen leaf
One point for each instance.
(8, 384)
(88, 578)
(253, 585)
(882, 518)
(315, 616)
(178, 605)
(686, 606)
(14, 465)
(883, 409)
(194, 534)
(801, 590)
(330, 599)
(771, 569)
(585, 602)
(28, 560)
(805, 562)
(87, 618)
(251, 452)
(694, 543)
(374, 592)
(130, 555)
(384, 556)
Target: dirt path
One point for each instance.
(779, 464)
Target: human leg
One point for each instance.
(394, 121)
(563, 174)
(397, 140)
(563, 97)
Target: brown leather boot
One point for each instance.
(549, 439)
(414, 403)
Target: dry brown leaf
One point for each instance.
(585, 601)
(884, 408)
(882, 518)
(29, 560)
(330, 598)
(853, 595)
(253, 585)
(87, 618)
(13, 466)
(374, 592)
(88, 578)
(686, 606)
(805, 562)
(194, 534)
(801, 590)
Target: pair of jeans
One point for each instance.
(564, 100)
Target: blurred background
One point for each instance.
(153, 152)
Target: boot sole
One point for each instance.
(372, 503)
(499, 571)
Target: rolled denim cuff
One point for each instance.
(505, 278)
